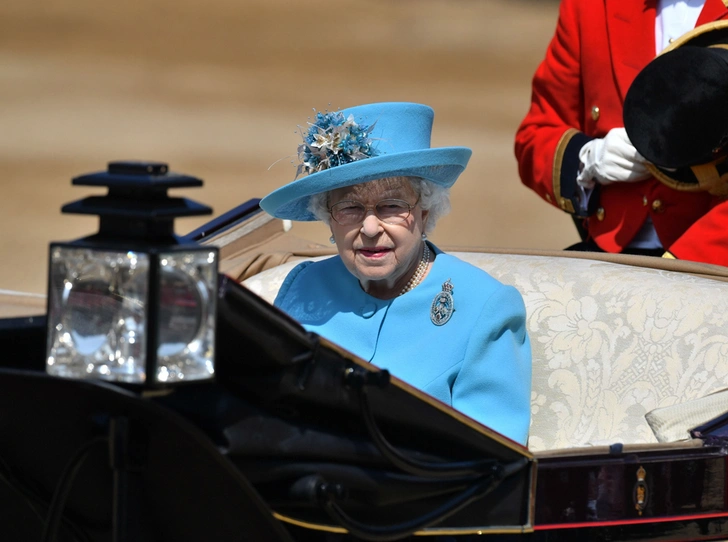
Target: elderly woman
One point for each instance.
(391, 297)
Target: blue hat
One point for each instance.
(362, 144)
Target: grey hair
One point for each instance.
(433, 197)
(317, 206)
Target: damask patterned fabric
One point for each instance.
(610, 342)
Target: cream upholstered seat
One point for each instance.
(610, 342)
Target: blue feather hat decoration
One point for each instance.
(334, 140)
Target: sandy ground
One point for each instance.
(217, 89)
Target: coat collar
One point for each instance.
(631, 31)
(713, 10)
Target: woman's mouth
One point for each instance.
(374, 252)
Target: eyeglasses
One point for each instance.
(389, 211)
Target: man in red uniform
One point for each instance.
(572, 148)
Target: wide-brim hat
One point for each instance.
(397, 145)
(676, 111)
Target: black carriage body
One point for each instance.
(259, 403)
(284, 430)
(633, 493)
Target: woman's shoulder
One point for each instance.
(453, 264)
(481, 296)
(480, 285)
(315, 270)
(310, 275)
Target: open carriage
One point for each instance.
(298, 439)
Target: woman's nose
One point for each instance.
(371, 225)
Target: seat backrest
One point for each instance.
(610, 342)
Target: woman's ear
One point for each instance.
(425, 216)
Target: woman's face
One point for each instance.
(382, 256)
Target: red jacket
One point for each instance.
(578, 94)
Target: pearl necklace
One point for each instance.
(419, 272)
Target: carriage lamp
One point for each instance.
(133, 303)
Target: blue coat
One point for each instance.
(479, 362)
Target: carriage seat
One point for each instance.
(611, 342)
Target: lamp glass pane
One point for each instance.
(188, 282)
(97, 318)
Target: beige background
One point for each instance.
(216, 88)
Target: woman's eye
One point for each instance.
(349, 208)
(392, 206)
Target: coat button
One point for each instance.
(657, 206)
(600, 214)
(595, 113)
(644, 201)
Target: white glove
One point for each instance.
(610, 160)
